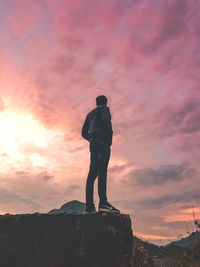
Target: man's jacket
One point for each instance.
(98, 125)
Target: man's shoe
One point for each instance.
(90, 210)
(107, 207)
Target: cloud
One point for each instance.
(45, 176)
(139, 35)
(70, 189)
(22, 191)
(162, 175)
(157, 203)
(178, 118)
(8, 198)
(23, 25)
(118, 169)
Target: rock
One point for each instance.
(74, 207)
(66, 240)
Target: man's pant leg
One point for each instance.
(92, 175)
(103, 160)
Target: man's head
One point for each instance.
(101, 100)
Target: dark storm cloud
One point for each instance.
(162, 175)
(157, 203)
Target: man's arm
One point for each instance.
(105, 115)
(85, 129)
(106, 118)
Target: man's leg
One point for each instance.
(92, 175)
(104, 156)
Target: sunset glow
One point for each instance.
(18, 130)
(56, 57)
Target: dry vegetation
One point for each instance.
(149, 255)
(173, 255)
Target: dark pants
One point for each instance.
(99, 158)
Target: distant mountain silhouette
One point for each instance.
(176, 252)
(73, 206)
(193, 238)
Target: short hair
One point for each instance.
(101, 100)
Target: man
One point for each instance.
(97, 129)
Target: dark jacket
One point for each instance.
(98, 125)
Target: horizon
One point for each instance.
(56, 57)
(157, 243)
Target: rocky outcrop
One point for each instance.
(65, 240)
(73, 207)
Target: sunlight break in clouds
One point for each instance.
(17, 131)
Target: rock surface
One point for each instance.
(73, 206)
(65, 240)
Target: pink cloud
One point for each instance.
(24, 19)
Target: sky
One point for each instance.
(56, 57)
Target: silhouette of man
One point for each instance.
(97, 129)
